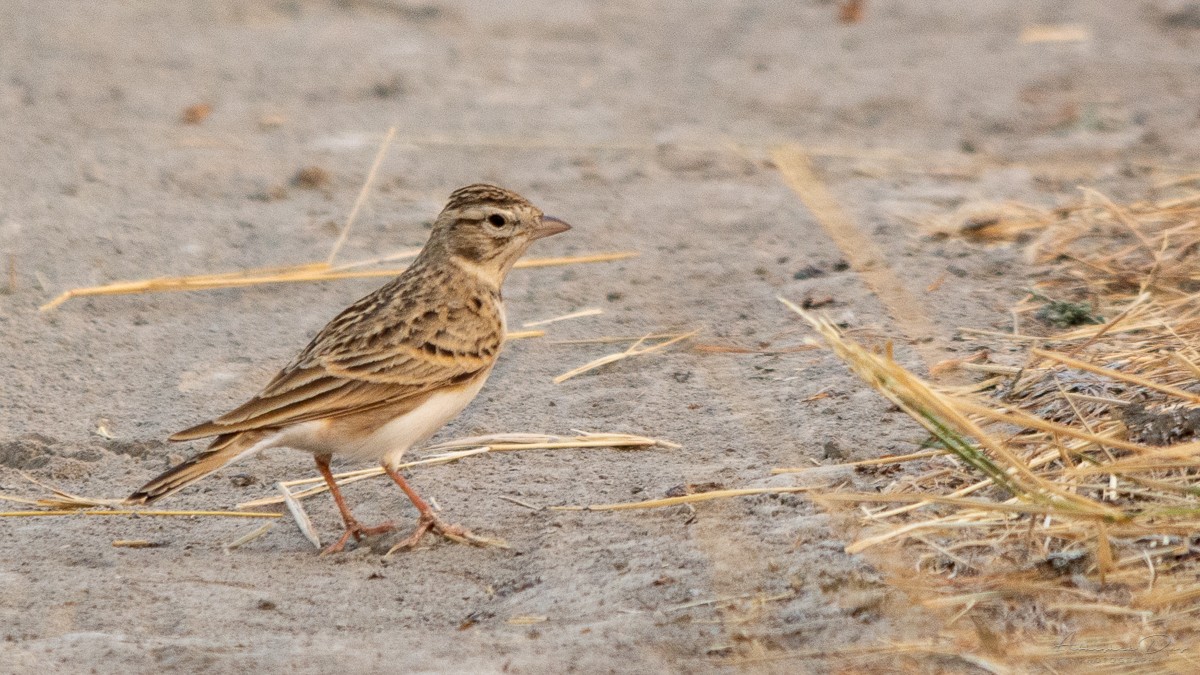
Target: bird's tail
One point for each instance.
(224, 449)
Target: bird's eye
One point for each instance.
(497, 220)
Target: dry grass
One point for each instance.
(362, 195)
(135, 512)
(290, 274)
(249, 536)
(1037, 33)
(987, 222)
(302, 272)
(565, 317)
(63, 503)
(636, 349)
(1059, 521)
(860, 250)
(450, 451)
(459, 449)
(686, 499)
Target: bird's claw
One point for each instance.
(358, 531)
(457, 533)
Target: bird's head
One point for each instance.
(485, 229)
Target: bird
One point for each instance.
(391, 369)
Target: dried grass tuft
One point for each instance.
(1066, 487)
(988, 222)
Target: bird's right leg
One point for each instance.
(429, 521)
(353, 527)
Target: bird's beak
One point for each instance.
(549, 226)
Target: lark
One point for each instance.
(392, 368)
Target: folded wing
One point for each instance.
(346, 370)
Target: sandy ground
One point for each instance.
(649, 127)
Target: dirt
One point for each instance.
(149, 139)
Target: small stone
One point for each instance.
(831, 450)
(195, 114)
(312, 178)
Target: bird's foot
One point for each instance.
(358, 531)
(430, 523)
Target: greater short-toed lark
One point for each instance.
(392, 368)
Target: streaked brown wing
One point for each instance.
(322, 398)
(348, 368)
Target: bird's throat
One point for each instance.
(488, 273)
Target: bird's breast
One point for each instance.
(380, 437)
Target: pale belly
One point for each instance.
(388, 442)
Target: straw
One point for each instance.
(456, 450)
(636, 349)
(362, 195)
(303, 272)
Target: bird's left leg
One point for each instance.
(429, 521)
(353, 527)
